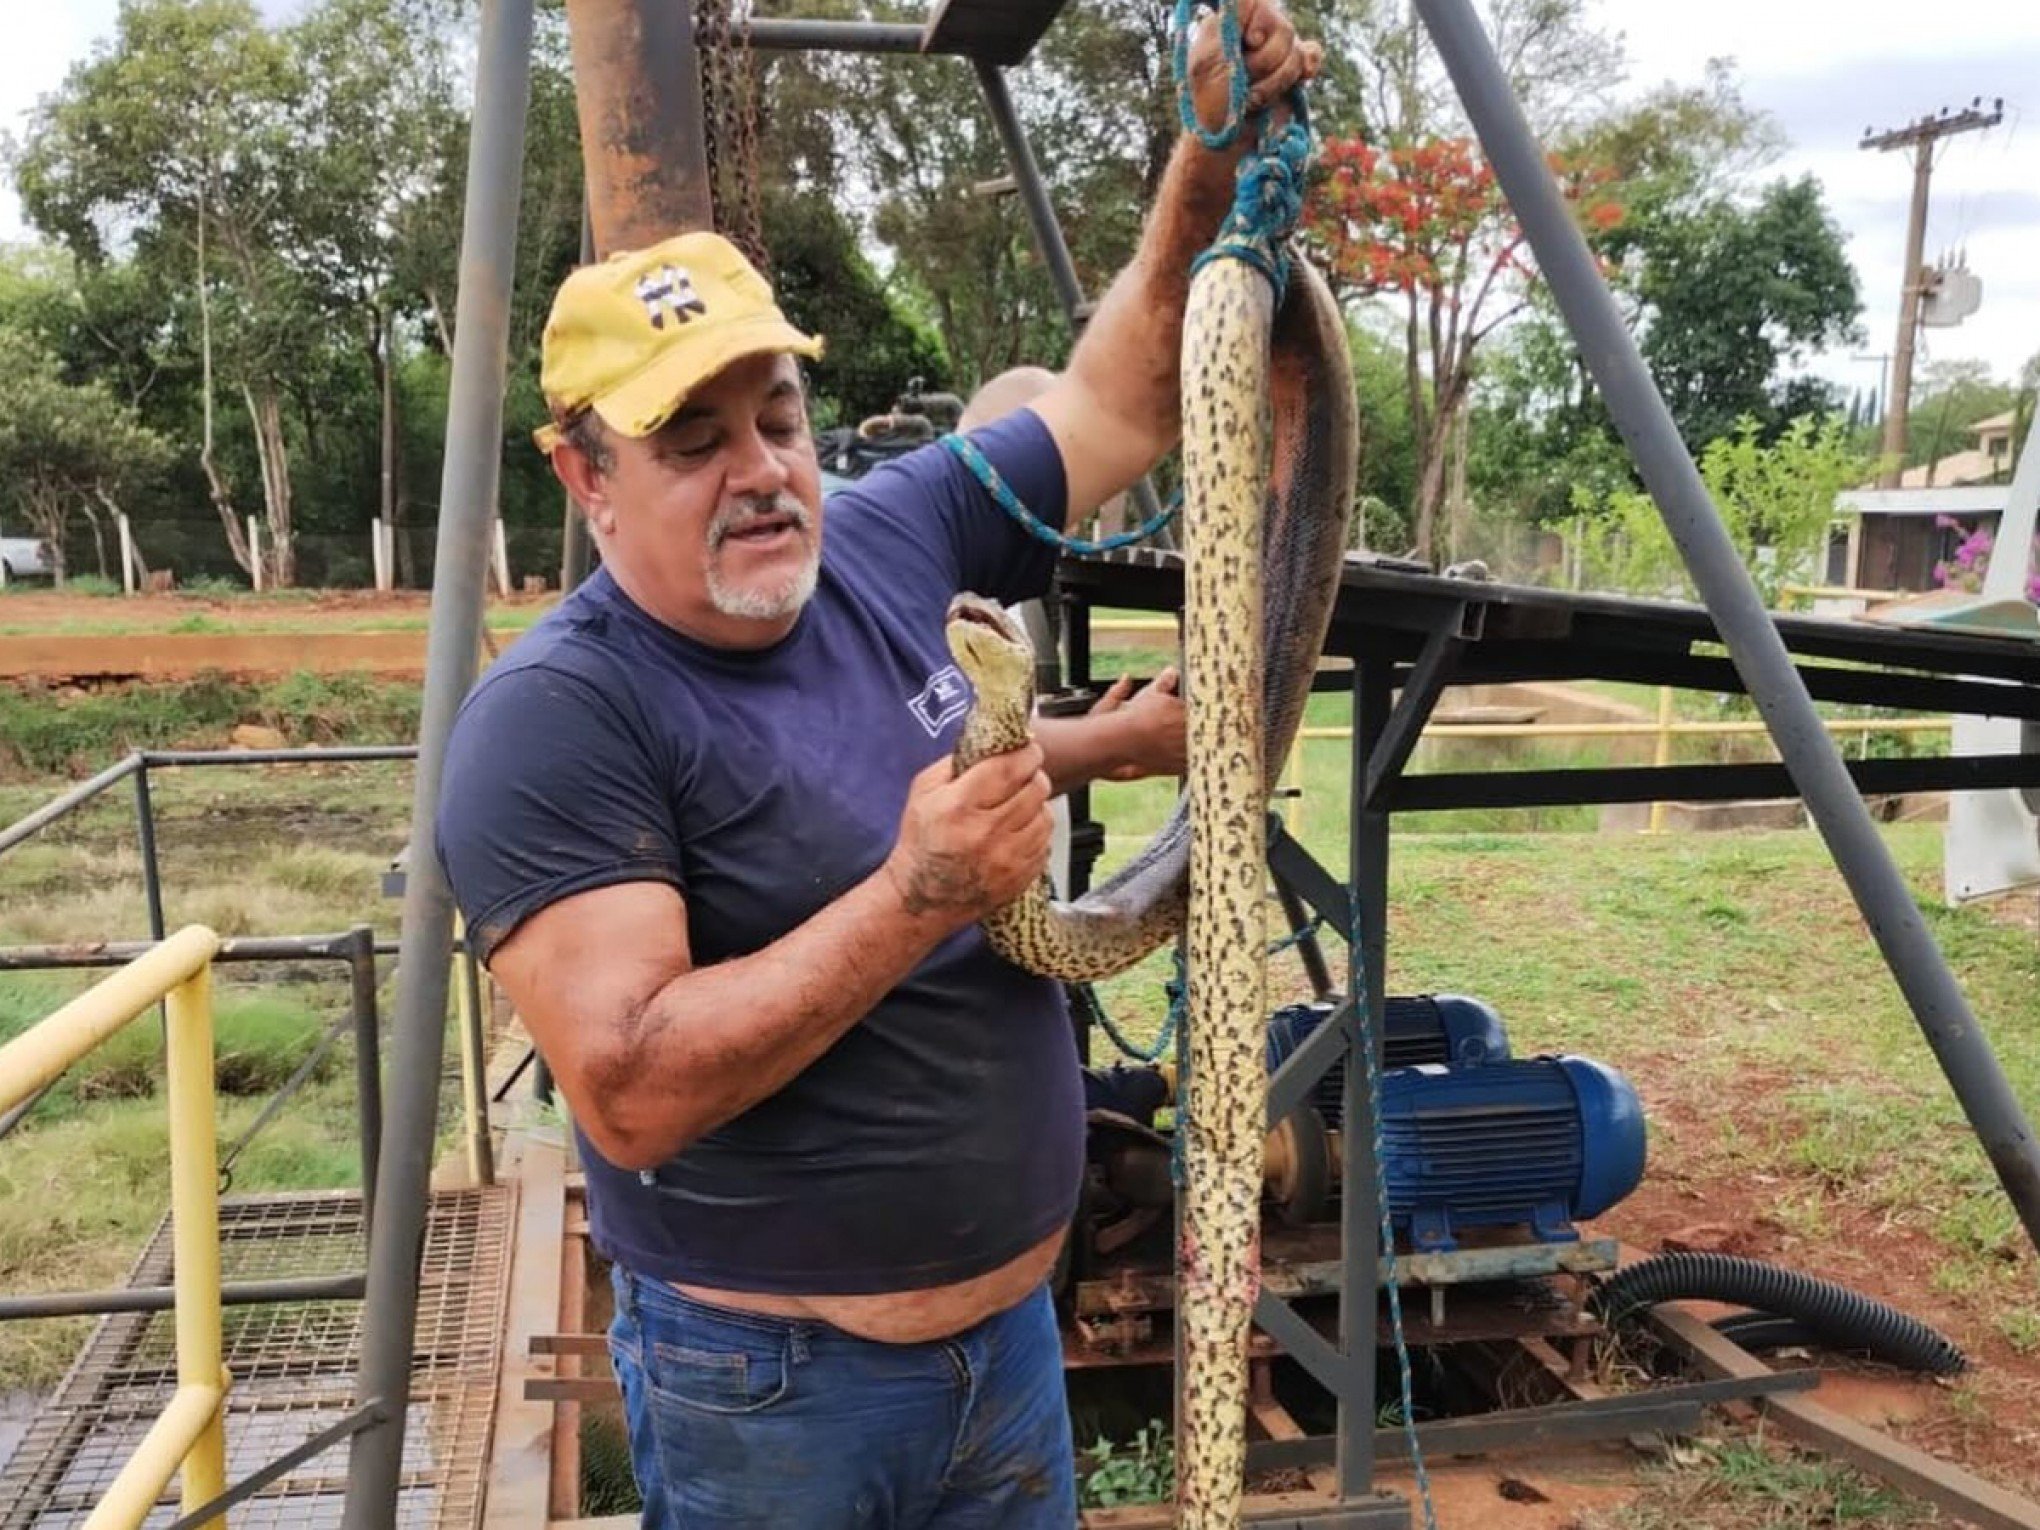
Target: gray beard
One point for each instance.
(751, 603)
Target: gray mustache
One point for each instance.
(743, 516)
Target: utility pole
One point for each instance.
(1919, 136)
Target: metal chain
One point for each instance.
(712, 26)
(729, 111)
(748, 226)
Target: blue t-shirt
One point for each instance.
(942, 1134)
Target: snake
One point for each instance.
(1270, 447)
(1252, 362)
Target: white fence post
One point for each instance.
(502, 560)
(377, 556)
(255, 552)
(127, 552)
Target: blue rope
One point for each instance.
(1268, 199)
(1356, 990)
(966, 451)
(1171, 1023)
(1228, 132)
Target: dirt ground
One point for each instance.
(53, 635)
(24, 607)
(1987, 1420)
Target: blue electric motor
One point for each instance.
(1540, 1141)
(1421, 1028)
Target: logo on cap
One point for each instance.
(669, 290)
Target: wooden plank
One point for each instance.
(1162, 1516)
(514, 1497)
(571, 1389)
(564, 1494)
(1001, 32)
(1961, 1493)
(582, 1344)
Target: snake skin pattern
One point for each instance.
(1248, 373)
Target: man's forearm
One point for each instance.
(1078, 750)
(1130, 356)
(738, 1031)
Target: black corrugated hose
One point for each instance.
(1839, 1317)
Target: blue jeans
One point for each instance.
(739, 1419)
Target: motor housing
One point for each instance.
(1418, 1029)
(1539, 1141)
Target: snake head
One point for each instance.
(991, 648)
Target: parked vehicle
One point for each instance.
(26, 558)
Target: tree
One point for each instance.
(1731, 295)
(1776, 499)
(1681, 158)
(1427, 223)
(66, 448)
(178, 134)
(1952, 396)
(374, 128)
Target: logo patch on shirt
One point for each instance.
(943, 699)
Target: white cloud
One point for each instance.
(1826, 70)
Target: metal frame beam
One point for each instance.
(467, 500)
(1758, 652)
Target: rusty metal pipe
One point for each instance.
(637, 82)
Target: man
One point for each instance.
(704, 828)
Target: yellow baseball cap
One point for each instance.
(632, 336)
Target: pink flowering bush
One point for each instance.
(1964, 569)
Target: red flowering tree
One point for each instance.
(1424, 223)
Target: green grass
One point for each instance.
(268, 850)
(1748, 1482)
(45, 733)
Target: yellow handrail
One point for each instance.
(189, 1436)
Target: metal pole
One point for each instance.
(573, 524)
(195, 1227)
(637, 81)
(248, 1293)
(77, 796)
(1055, 252)
(786, 34)
(1738, 611)
(474, 1063)
(145, 831)
(367, 1059)
(1359, 1205)
(467, 504)
(1048, 239)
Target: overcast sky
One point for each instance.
(1825, 68)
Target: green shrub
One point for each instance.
(212, 585)
(1143, 1470)
(43, 733)
(91, 584)
(260, 1039)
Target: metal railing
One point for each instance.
(188, 1438)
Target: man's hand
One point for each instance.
(1277, 61)
(973, 842)
(1156, 738)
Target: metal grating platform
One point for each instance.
(293, 1367)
